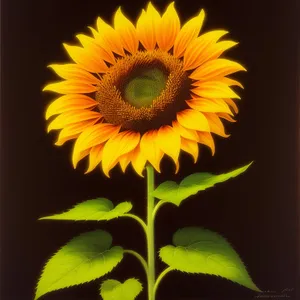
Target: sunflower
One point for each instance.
(133, 94)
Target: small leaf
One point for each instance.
(93, 210)
(115, 290)
(202, 251)
(172, 192)
(83, 259)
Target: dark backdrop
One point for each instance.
(256, 212)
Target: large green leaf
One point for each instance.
(93, 210)
(115, 290)
(84, 258)
(172, 192)
(201, 251)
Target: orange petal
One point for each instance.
(168, 28)
(230, 82)
(190, 147)
(205, 138)
(216, 68)
(124, 160)
(71, 117)
(168, 139)
(193, 119)
(108, 36)
(89, 61)
(193, 56)
(187, 34)
(184, 132)
(93, 136)
(96, 154)
(74, 72)
(126, 31)
(69, 102)
(117, 146)
(215, 124)
(209, 105)
(231, 103)
(70, 87)
(214, 89)
(82, 155)
(138, 160)
(95, 49)
(226, 117)
(72, 131)
(150, 149)
(147, 27)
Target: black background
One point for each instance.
(257, 212)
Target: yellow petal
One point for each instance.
(184, 132)
(231, 103)
(150, 149)
(205, 138)
(87, 60)
(69, 102)
(138, 160)
(209, 105)
(216, 68)
(72, 131)
(96, 154)
(82, 155)
(117, 146)
(215, 124)
(70, 87)
(94, 48)
(214, 89)
(169, 27)
(190, 147)
(109, 36)
(93, 136)
(168, 140)
(188, 33)
(226, 117)
(147, 27)
(74, 72)
(215, 50)
(126, 31)
(193, 56)
(71, 117)
(193, 119)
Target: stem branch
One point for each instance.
(140, 258)
(138, 219)
(160, 277)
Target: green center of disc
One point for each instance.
(143, 89)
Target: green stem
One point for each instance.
(140, 258)
(160, 277)
(150, 233)
(141, 222)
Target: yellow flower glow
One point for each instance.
(136, 93)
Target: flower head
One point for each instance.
(136, 93)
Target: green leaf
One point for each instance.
(93, 210)
(172, 192)
(83, 259)
(202, 251)
(115, 290)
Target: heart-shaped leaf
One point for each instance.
(83, 259)
(172, 192)
(93, 210)
(115, 290)
(201, 251)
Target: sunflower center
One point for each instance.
(144, 88)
